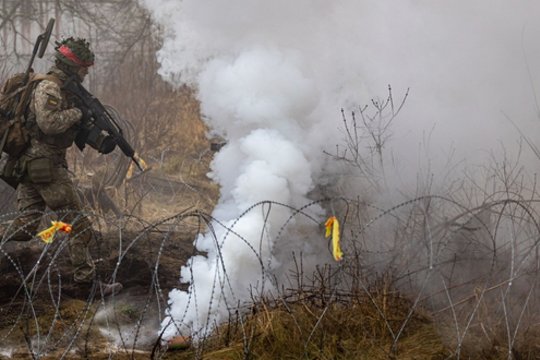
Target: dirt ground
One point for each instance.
(43, 312)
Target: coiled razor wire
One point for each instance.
(44, 279)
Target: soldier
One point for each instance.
(53, 121)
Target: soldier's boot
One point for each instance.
(109, 289)
(96, 289)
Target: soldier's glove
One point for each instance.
(86, 119)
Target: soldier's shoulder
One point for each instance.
(47, 86)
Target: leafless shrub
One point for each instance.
(370, 131)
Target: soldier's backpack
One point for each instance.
(15, 97)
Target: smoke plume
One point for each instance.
(272, 76)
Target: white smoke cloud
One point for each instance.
(272, 76)
(261, 102)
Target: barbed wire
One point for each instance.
(445, 256)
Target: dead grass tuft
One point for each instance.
(318, 325)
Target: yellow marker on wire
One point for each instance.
(332, 228)
(47, 235)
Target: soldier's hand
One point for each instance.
(86, 122)
(87, 115)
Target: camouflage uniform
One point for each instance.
(53, 127)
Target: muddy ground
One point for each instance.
(44, 314)
(52, 314)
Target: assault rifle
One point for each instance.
(97, 119)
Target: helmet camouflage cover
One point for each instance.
(74, 52)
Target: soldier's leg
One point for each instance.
(30, 205)
(61, 196)
(79, 241)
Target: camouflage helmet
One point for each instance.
(74, 52)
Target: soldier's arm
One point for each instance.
(51, 115)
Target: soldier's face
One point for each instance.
(82, 72)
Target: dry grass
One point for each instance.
(324, 326)
(317, 324)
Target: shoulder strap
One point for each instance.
(40, 77)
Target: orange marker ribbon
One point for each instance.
(47, 235)
(332, 228)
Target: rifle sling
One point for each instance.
(3, 142)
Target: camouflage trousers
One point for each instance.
(60, 196)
